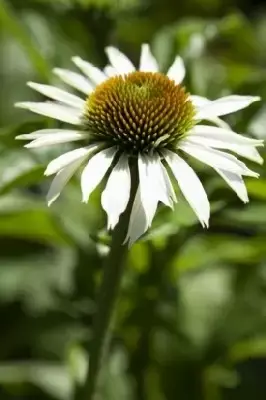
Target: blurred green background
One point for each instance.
(191, 319)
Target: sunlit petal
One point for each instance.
(116, 193)
(190, 186)
(148, 62)
(95, 170)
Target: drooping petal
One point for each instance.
(138, 222)
(177, 70)
(116, 193)
(53, 110)
(119, 61)
(61, 179)
(199, 101)
(149, 194)
(217, 159)
(236, 183)
(158, 181)
(222, 135)
(68, 158)
(110, 71)
(219, 122)
(155, 185)
(225, 105)
(190, 186)
(168, 184)
(58, 94)
(95, 170)
(53, 139)
(249, 152)
(75, 80)
(92, 72)
(148, 62)
(43, 133)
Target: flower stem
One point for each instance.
(113, 272)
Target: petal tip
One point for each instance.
(57, 71)
(107, 49)
(47, 172)
(259, 160)
(77, 61)
(31, 84)
(20, 105)
(50, 202)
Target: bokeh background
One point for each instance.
(191, 319)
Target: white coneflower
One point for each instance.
(145, 115)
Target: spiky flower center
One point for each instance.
(139, 112)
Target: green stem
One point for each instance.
(113, 271)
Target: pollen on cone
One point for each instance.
(139, 111)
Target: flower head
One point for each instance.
(146, 116)
(139, 112)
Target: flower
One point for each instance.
(142, 115)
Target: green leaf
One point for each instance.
(12, 24)
(52, 378)
(252, 348)
(207, 250)
(204, 298)
(37, 276)
(25, 218)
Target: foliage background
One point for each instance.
(191, 320)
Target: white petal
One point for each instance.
(95, 170)
(138, 223)
(61, 180)
(148, 62)
(116, 193)
(94, 73)
(168, 184)
(199, 101)
(119, 61)
(75, 80)
(177, 70)
(190, 186)
(219, 122)
(225, 105)
(249, 152)
(58, 94)
(236, 183)
(68, 158)
(53, 110)
(153, 187)
(110, 71)
(52, 139)
(217, 159)
(43, 132)
(158, 180)
(149, 194)
(213, 134)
